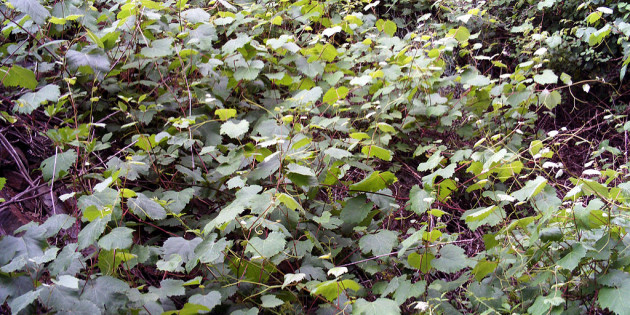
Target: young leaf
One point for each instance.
(372, 150)
(375, 182)
(18, 76)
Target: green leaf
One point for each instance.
(461, 34)
(550, 99)
(373, 150)
(24, 300)
(389, 27)
(250, 71)
(209, 300)
(380, 243)
(431, 163)
(375, 182)
(452, 259)
(35, 10)
(143, 206)
(169, 287)
(159, 48)
(270, 301)
(225, 113)
(234, 130)
(552, 234)
(196, 15)
(531, 189)
(333, 95)
(483, 268)
(355, 210)
(177, 200)
(332, 289)
(233, 44)
(381, 306)
(118, 238)
(418, 202)
(18, 76)
(615, 299)
(210, 251)
(57, 166)
(2, 182)
(95, 59)
(421, 262)
(480, 214)
(546, 77)
(288, 201)
(30, 101)
(572, 259)
(272, 245)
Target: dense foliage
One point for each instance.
(337, 156)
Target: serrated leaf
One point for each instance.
(270, 246)
(418, 202)
(24, 300)
(452, 259)
(546, 77)
(118, 238)
(32, 8)
(30, 101)
(18, 76)
(169, 287)
(196, 15)
(143, 206)
(381, 306)
(95, 59)
(58, 165)
(270, 301)
(177, 200)
(210, 251)
(380, 243)
(431, 163)
(233, 44)
(159, 48)
(614, 299)
(337, 153)
(291, 278)
(572, 258)
(374, 182)
(300, 169)
(105, 290)
(234, 130)
(250, 71)
(209, 300)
